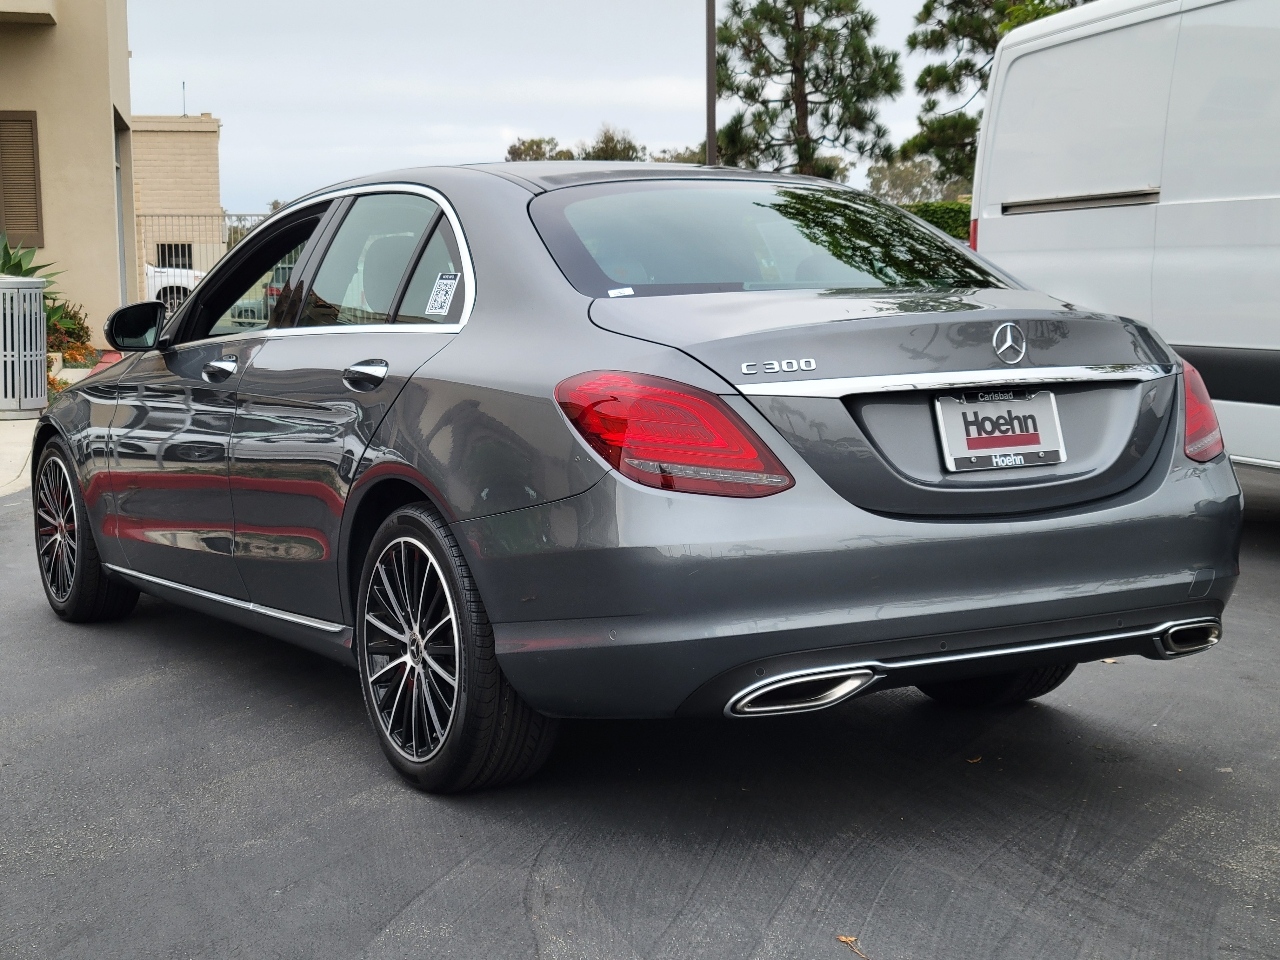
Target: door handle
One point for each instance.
(365, 375)
(215, 371)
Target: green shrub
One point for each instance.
(66, 321)
(949, 216)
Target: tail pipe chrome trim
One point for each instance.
(1184, 639)
(800, 692)
(804, 690)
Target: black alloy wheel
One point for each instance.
(76, 584)
(411, 649)
(445, 716)
(56, 529)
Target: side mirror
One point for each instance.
(135, 327)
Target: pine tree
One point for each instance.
(809, 78)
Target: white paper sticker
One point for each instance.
(442, 295)
(622, 292)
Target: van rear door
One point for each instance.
(1072, 163)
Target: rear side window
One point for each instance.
(673, 237)
(437, 290)
(362, 269)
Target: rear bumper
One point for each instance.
(627, 602)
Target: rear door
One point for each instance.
(169, 445)
(313, 396)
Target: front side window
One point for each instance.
(252, 309)
(672, 237)
(245, 292)
(437, 290)
(361, 272)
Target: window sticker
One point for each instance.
(622, 292)
(442, 295)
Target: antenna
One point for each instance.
(184, 98)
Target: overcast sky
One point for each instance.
(313, 91)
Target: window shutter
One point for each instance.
(20, 217)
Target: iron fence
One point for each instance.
(175, 251)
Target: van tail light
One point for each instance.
(1200, 422)
(973, 234)
(670, 435)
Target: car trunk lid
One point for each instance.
(853, 383)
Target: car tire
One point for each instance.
(472, 733)
(78, 587)
(998, 690)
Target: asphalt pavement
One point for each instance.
(172, 786)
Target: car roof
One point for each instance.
(542, 175)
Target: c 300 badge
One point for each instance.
(779, 366)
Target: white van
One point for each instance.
(1129, 162)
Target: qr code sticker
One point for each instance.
(442, 294)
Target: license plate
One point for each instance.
(999, 429)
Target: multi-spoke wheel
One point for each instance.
(75, 582)
(446, 717)
(411, 650)
(56, 532)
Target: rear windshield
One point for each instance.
(671, 237)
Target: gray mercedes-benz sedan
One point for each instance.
(532, 441)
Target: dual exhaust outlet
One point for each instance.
(805, 690)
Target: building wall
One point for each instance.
(75, 75)
(177, 194)
(175, 165)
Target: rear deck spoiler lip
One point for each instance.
(902, 382)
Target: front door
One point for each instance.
(311, 399)
(169, 451)
(171, 433)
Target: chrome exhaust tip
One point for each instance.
(1184, 639)
(800, 692)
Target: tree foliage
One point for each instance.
(949, 216)
(538, 148)
(610, 144)
(912, 181)
(964, 33)
(876, 239)
(810, 79)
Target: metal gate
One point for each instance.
(23, 348)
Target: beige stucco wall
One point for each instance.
(176, 187)
(75, 75)
(175, 165)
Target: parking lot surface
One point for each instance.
(173, 786)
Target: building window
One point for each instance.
(174, 255)
(20, 216)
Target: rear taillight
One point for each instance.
(1203, 435)
(973, 234)
(670, 435)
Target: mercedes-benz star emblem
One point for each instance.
(1010, 343)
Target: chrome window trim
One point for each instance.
(435, 196)
(297, 618)
(895, 383)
